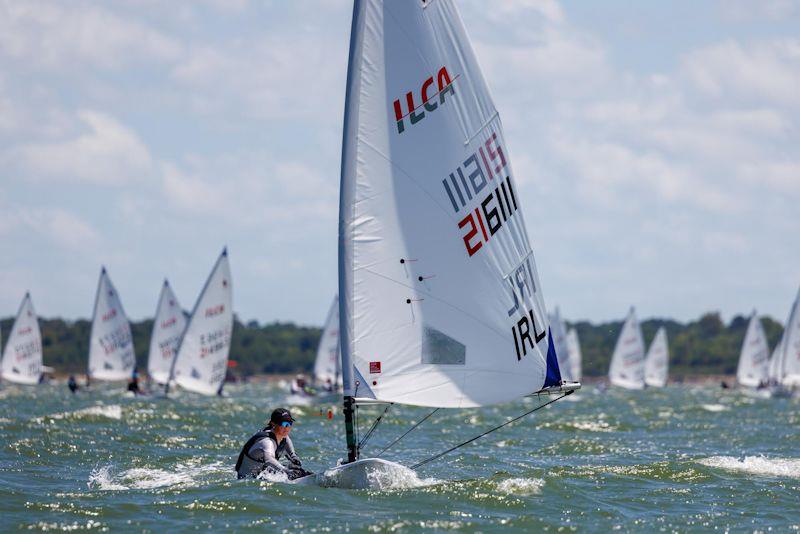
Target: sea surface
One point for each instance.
(684, 458)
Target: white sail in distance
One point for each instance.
(753, 365)
(327, 366)
(575, 355)
(22, 357)
(790, 350)
(774, 367)
(559, 331)
(656, 363)
(111, 354)
(168, 326)
(627, 361)
(202, 359)
(441, 303)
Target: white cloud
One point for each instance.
(59, 226)
(105, 152)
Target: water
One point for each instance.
(676, 459)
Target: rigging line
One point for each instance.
(451, 449)
(373, 427)
(389, 446)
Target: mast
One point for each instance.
(349, 131)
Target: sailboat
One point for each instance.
(656, 363)
(327, 366)
(168, 326)
(575, 355)
(787, 371)
(627, 361)
(22, 357)
(752, 371)
(111, 354)
(559, 330)
(202, 359)
(440, 302)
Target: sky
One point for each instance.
(655, 144)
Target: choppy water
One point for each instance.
(675, 459)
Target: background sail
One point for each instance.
(752, 369)
(202, 359)
(774, 372)
(168, 326)
(441, 300)
(559, 332)
(575, 355)
(627, 361)
(656, 363)
(111, 354)
(22, 357)
(327, 366)
(790, 358)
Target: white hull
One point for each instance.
(368, 473)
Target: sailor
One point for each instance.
(72, 384)
(133, 385)
(263, 450)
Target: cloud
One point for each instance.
(59, 226)
(105, 152)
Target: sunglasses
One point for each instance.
(286, 424)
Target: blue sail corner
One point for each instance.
(553, 377)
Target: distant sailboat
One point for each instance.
(327, 366)
(168, 326)
(575, 355)
(753, 365)
(440, 299)
(789, 365)
(22, 357)
(627, 361)
(559, 331)
(202, 359)
(111, 354)
(656, 363)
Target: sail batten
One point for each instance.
(202, 359)
(440, 301)
(22, 356)
(111, 352)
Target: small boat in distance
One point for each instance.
(22, 357)
(168, 326)
(202, 359)
(575, 355)
(656, 363)
(559, 331)
(111, 354)
(627, 361)
(327, 366)
(752, 371)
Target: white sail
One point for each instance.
(790, 356)
(627, 361)
(656, 363)
(168, 326)
(559, 331)
(575, 355)
(111, 354)
(752, 370)
(22, 357)
(202, 359)
(327, 366)
(774, 371)
(441, 303)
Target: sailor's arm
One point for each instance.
(290, 454)
(269, 456)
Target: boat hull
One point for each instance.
(368, 473)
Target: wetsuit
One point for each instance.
(262, 452)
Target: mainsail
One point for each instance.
(202, 359)
(752, 370)
(559, 332)
(22, 357)
(575, 355)
(440, 299)
(111, 355)
(327, 366)
(627, 361)
(168, 326)
(774, 371)
(656, 363)
(790, 350)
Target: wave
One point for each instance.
(103, 478)
(715, 407)
(756, 465)
(521, 486)
(113, 411)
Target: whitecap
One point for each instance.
(715, 407)
(112, 411)
(756, 465)
(521, 486)
(150, 478)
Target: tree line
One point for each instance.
(704, 346)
